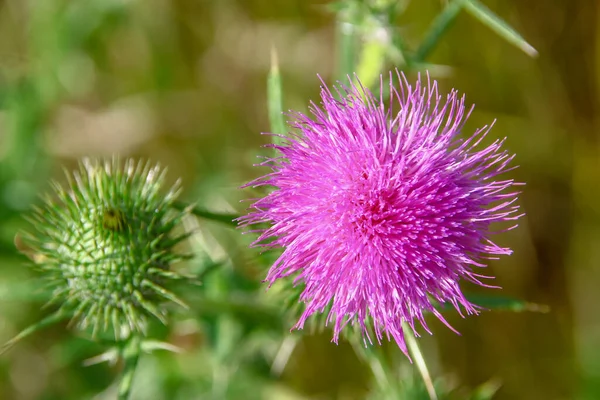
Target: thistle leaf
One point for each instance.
(48, 321)
(495, 23)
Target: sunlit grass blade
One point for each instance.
(275, 99)
(110, 356)
(495, 23)
(283, 355)
(420, 363)
(438, 28)
(49, 320)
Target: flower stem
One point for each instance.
(415, 351)
(374, 360)
(131, 356)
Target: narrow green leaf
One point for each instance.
(495, 23)
(199, 212)
(49, 320)
(274, 99)
(439, 26)
(111, 356)
(151, 345)
(505, 303)
(23, 291)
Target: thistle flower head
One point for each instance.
(382, 208)
(105, 245)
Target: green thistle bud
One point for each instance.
(105, 244)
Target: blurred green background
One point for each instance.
(183, 82)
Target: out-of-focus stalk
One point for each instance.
(275, 99)
(437, 30)
(415, 351)
(131, 356)
(347, 41)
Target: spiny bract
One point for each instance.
(105, 245)
(382, 208)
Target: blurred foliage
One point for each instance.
(183, 82)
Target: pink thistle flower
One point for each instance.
(382, 209)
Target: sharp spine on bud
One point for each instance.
(105, 245)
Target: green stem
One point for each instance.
(201, 213)
(131, 356)
(371, 61)
(439, 26)
(275, 99)
(347, 44)
(398, 51)
(415, 351)
(374, 359)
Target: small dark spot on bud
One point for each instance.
(113, 219)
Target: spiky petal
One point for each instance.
(382, 208)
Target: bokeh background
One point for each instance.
(183, 82)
